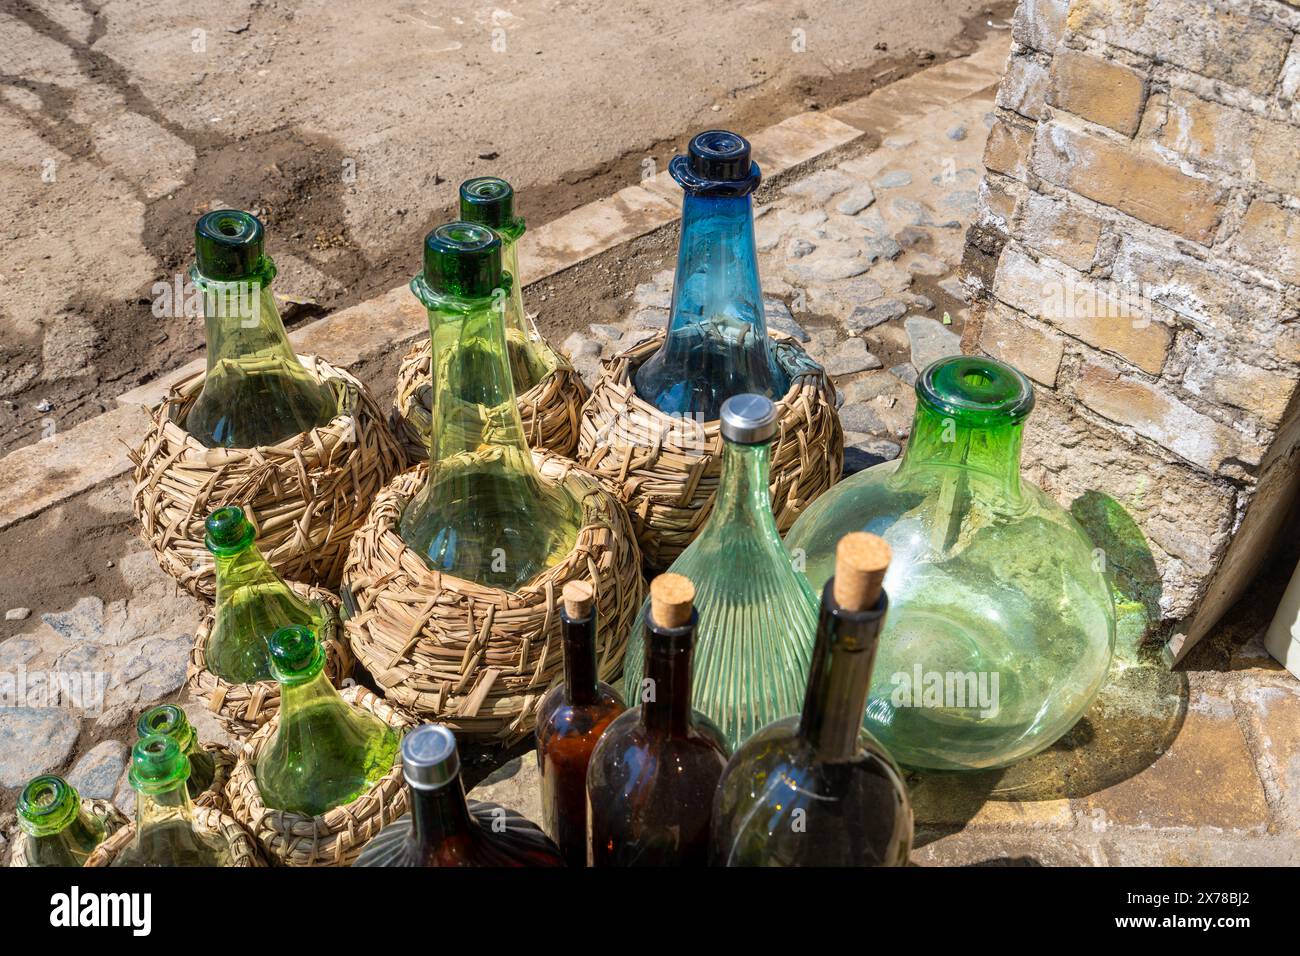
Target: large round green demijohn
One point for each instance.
(1002, 625)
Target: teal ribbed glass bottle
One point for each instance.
(1002, 625)
(757, 613)
(256, 392)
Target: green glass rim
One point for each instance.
(297, 655)
(157, 765)
(228, 531)
(490, 200)
(229, 246)
(166, 719)
(47, 804)
(975, 390)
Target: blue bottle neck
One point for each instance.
(717, 265)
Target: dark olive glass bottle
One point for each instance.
(170, 721)
(653, 774)
(57, 829)
(445, 829)
(818, 789)
(570, 720)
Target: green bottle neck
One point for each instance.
(47, 806)
(514, 317)
(162, 808)
(986, 455)
(475, 417)
(238, 570)
(744, 502)
(241, 321)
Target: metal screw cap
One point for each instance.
(749, 419)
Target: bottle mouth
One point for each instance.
(229, 245)
(717, 163)
(462, 260)
(47, 804)
(228, 531)
(296, 654)
(157, 764)
(490, 201)
(166, 719)
(976, 390)
(429, 757)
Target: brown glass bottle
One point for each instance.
(445, 829)
(653, 774)
(570, 720)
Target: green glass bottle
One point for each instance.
(325, 753)
(817, 789)
(256, 392)
(252, 601)
(757, 613)
(1001, 627)
(170, 721)
(490, 202)
(57, 829)
(165, 830)
(484, 514)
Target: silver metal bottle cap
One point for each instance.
(749, 419)
(429, 757)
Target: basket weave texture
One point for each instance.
(224, 759)
(666, 471)
(113, 818)
(550, 410)
(305, 496)
(474, 657)
(336, 837)
(242, 708)
(243, 848)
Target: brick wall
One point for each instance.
(1137, 254)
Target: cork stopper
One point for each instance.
(671, 598)
(579, 596)
(861, 561)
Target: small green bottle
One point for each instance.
(325, 753)
(58, 830)
(165, 830)
(170, 721)
(256, 392)
(252, 601)
(490, 201)
(484, 514)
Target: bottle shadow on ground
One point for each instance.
(1136, 715)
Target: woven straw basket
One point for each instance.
(549, 410)
(336, 837)
(241, 844)
(478, 658)
(242, 708)
(215, 796)
(113, 819)
(667, 474)
(305, 496)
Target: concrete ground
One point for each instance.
(347, 127)
(858, 247)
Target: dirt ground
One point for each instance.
(347, 127)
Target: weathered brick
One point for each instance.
(1270, 236)
(1204, 38)
(1059, 230)
(1214, 373)
(1024, 86)
(1275, 717)
(1206, 778)
(939, 799)
(1249, 146)
(1101, 91)
(1008, 336)
(1165, 420)
(1039, 23)
(998, 197)
(1007, 149)
(1118, 174)
(1084, 309)
(1290, 87)
(943, 847)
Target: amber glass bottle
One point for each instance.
(570, 720)
(653, 774)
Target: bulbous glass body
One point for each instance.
(256, 392)
(252, 602)
(1002, 625)
(325, 753)
(484, 514)
(57, 829)
(757, 613)
(717, 344)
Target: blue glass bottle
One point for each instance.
(717, 344)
